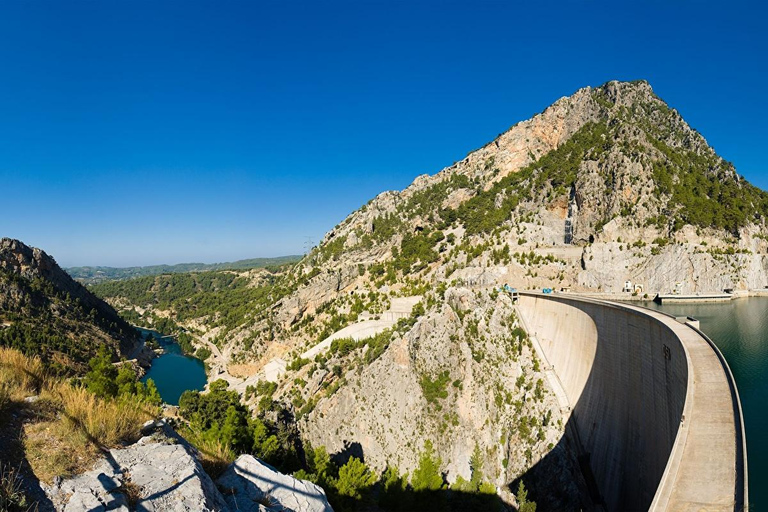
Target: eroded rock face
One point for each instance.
(460, 378)
(249, 484)
(31, 263)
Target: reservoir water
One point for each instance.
(740, 329)
(174, 372)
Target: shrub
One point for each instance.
(435, 389)
(343, 346)
(203, 353)
(100, 380)
(298, 363)
(523, 505)
(355, 479)
(427, 476)
(215, 455)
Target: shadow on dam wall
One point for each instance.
(626, 377)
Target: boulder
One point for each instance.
(249, 484)
(158, 473)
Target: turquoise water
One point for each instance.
(174, 373)
(740, 329)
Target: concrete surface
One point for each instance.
(704, 297)
(651, 400)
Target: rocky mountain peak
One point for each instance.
(605, 186)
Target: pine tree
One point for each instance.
(523, 505)
(476, 465)
(427, 476)
(354, 479)
(100, 380)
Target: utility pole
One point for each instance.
(309, 243)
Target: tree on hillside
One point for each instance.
(523, 505)
(107, 381)
(394, 493)
(101, 379)
(427, 476)
(355, 479)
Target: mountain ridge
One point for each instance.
(605, 186)
(97, 274)
(46, 312)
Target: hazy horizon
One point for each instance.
(190, 262)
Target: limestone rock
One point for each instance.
(163, 472)
(465, 344)
(249, 484)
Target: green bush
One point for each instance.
(355, 479)
(105, 380)
(427, 476)
(435, 389)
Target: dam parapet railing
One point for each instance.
(653, 400)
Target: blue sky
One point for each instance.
(160, 132)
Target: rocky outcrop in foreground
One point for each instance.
(249, 483)
(161, 473)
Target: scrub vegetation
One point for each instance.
(66, 427)
(46, 322)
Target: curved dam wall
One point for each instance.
(652, 405)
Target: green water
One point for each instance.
(740, 329)
(175, 373)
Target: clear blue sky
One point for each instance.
(136, 132)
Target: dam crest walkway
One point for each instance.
(652, 400)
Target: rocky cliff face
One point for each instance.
(45, 311)
(610, 164)
(605, 186)
(464, 377)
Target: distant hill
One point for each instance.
(44, 312)
(93, 275)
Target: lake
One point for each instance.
(174, 372)
(740, 329)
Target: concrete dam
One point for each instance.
(653, 410)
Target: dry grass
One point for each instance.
(70, 441)
(130, 490)
(20, 375)
(52, 449)
(215, 456)
(107, 423)
(5, 396)
(12, 495)
(68, 426)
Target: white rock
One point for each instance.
(249, 484)
(168, 476)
